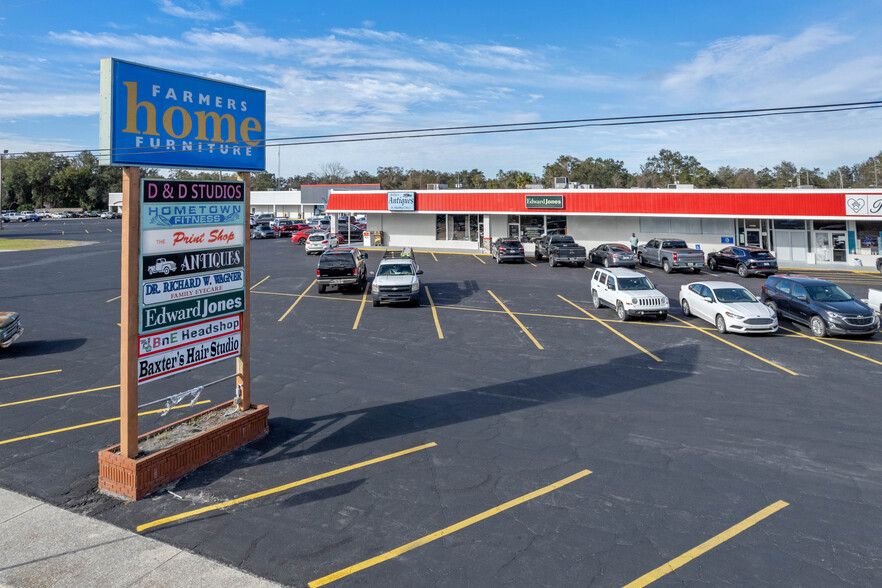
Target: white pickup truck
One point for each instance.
(874, 300)
(630, 293)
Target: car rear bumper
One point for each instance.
(511, 256)
(339, 280)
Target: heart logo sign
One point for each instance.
(856, 204)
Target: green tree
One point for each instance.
(671, 167)
(263, 181)
(785, 175)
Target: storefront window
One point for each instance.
(556, 225)
(868, 233)
(457, 227)
(473, 227)
(440, 227)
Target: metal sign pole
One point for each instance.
(128, 341)
(243, 362)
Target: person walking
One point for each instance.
(634, 242)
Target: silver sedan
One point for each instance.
(613, 255)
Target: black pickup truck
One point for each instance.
(343, 267)
(559, 249)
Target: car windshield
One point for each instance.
(395, 269)
(734, 295)
(635, 284)
(828, 293)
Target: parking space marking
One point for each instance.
(432, 253)
(446, 531)
(718, 338)
(530, 262)
(361, 308)
(434, 313)
(515, 319)
(822, 342)
(112, 299)
(58, 395)
(29, 375)
(299, 298)
(695, 552)
(94, 423)
(475, 255)
(259, 283)
(109, 231)
(277, 489)
(647, 352)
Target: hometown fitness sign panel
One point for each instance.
(155, 117)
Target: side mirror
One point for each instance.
(365, 255)
(419, 272)
(371, 274)
(708, 299)
(803, 298)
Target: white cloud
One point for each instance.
(17, 105)
(192, 12)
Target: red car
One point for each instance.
(300, 236)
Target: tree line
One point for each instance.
(37, 180)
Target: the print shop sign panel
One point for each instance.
(401, 201)
(544, 201)
(159, 118)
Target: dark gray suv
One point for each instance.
(822, 305)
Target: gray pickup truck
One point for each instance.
(670, 255)
(559, 249)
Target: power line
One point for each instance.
(517, 127)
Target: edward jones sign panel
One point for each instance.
(542, 201)
(174, 314)
(155, 117)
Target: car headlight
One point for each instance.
(734, 316)
(374, 287)
(415, 287)
(834, 315)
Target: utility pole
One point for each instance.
(841, 184)
(2, 157)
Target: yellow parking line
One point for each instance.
(446, 531)
(299, 298)
(693, 553)
(433, 255)
(520, 324)
(92, 424)
(434, 313)
(112, 299)
(259, 283)
(822, 342)
(718, 338)
(277, 489)
(28, 376)
(530, 262)
(649, 353)
(58, 395)
(361, 308)
(108, 230)
(475, 255)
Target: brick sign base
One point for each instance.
(133, 479)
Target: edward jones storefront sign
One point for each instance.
(537, 201)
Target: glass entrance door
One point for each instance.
(839, 246)
(823, 253)
(753, 238)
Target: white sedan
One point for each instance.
(319, 242)
(729, 306)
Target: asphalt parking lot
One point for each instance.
(504, 433)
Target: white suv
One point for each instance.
(630, 293)
(319, 242)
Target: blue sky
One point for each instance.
(365, 66)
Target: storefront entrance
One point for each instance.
(830, 246)
(790, 245)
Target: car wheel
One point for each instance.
(773, 307)
(663, 316)
(537, 256)
(685, 306)
(666, 265)
(620, 311)
(301, 240)
(321, 288)
(551, 261)
(712, 264)
(595, 299)
(721, 324)
(742, 270)
(376, 303)
(606, 262)
(498, 261)
(819, 327)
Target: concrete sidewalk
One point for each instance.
(42, 545)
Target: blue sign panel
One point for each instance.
(159, 118)
(727, 240)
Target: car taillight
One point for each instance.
(675, 256)
(502, 248)
(318, 273)
(323, 242)
(355, 271)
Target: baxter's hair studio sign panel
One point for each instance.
(157, 118)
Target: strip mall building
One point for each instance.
(798, 225)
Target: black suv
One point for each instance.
(343, 267)
(507, 249)
(744, 260)
(822, 305)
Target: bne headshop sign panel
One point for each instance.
(159, 118)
